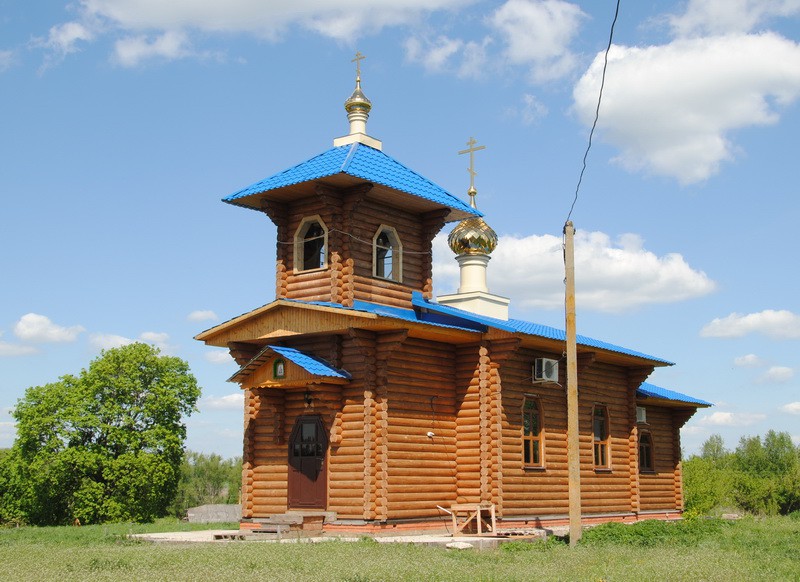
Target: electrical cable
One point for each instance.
(596, 113)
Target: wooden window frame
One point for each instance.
(601, 444)
(647, 461)
(532, 444)
(396, 249)
(300, 244)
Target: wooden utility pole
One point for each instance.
(573, 438)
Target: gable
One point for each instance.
(281, 319)
(283, 367)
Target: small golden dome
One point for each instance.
(472, 236)
(358, 100)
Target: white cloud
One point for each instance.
(610, 276)
(731, 419)
(218, 357)
(777, 374)
(202, 315)
(63, 39)
(433, 54)
(709, 17)
(777, 324)
(530, 111)
(7, 434)
(133, 50)
(6, 60)
(748, 361)
(233, 401)
(8, 350)
(791, 408)
(670, 109)
(33, 327)
(157, 339)
(537, 33)
(152, 28)
(107, 341)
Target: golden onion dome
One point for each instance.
(358, 100)
(472, 236)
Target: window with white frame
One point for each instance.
(311, 244)
(387, 255)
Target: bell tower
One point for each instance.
(354, 224)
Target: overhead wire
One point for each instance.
(596, 113)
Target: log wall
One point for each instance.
(352, 221)
(606, 491)
(382, 465)
(657, 489)
(467, 420)
(421, 399)
(526, 491)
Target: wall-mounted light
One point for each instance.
(307, 397)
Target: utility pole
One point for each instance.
(573, 438)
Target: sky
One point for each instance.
(125, 122)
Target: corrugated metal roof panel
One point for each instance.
(311, 364)
(526, 327)
(367, 163)
(647, 390)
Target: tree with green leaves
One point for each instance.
(106, 445)
(761, 476)
(207, 479)
(767, 474)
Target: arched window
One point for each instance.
(311, 245)
(532, 445)
(646, 462)
(387, 256)
(600, 436)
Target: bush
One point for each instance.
(651, 533)
(760, 477)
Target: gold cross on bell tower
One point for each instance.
(472, 173)
(357, 61)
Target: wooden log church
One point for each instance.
(374, 404)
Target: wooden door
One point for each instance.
(308, 472)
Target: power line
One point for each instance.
(596, 113)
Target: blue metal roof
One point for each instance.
(647, 390)
(311, 364)
(367, 163)
(520, 326)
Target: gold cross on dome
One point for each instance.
(357, 61)
(471, 151)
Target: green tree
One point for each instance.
(708, 478)
(105, 445)
(207, 479)
(767, 474)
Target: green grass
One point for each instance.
(696, 550)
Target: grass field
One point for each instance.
(748, 549)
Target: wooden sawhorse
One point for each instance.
(464, 513)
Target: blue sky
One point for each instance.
(124, 122)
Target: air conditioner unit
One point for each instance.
(545, 370)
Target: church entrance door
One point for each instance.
(308, 472)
